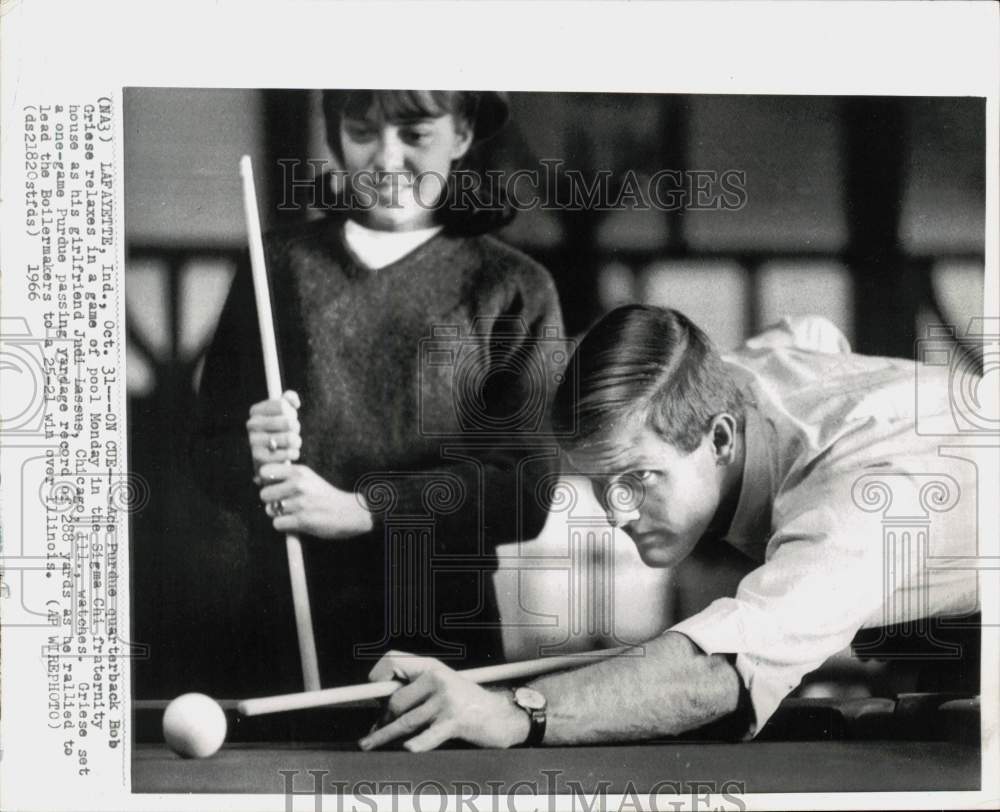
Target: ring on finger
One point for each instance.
(279, 507)
(272, 444)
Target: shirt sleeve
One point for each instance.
(813, 333)
(823, 579)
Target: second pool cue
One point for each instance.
(379, 690)
(272, 372)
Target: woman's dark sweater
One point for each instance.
(425, 385)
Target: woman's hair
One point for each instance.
(650, 365)
(475, 210)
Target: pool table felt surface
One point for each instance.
(817, 766)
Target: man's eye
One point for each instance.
(644, 476)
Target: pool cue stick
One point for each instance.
(272, 371)
(378, 690)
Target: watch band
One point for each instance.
(533, 704)
(537, 731)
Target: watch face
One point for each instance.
(529, 698)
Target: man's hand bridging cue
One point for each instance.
(438, 704)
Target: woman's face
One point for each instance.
(398, 168)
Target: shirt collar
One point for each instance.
(377, 249)
(751, 523)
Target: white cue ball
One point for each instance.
(194, 726)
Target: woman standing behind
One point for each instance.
(422, 353)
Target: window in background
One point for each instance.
(146, 297)
(615, 285)
(712, 294)
(958, 288)
(806, 289)
(958, 285)
(204, 286)
(146, 302)
(140, 379)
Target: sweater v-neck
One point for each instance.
(357, 263)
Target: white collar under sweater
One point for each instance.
(376, 249)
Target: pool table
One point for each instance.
(920, 742)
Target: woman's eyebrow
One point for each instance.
(409, 120)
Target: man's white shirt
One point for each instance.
(859, 520)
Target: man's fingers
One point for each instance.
(402, 666)
(436, 735)
(385, 668)
(405, 725)
(292, 397)
(410, 695)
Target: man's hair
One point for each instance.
(650, 365)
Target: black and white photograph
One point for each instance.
(660, 377)
(499, 406)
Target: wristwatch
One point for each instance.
(532, 703)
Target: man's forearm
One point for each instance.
(664, 687)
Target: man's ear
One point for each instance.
(723, 434)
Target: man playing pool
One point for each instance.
(790, 450)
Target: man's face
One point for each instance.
(401, 165)
(664, 499)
